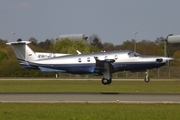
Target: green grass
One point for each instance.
(89, 86)
(88, 111)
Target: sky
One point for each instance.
(114, 21)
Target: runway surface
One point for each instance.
(89, 97)
(86, 79)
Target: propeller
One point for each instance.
(169, 63)
(168, 52)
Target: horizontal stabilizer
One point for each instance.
(44, 69)
(19, 42)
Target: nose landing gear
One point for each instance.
(147, 79)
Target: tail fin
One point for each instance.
(23, 51)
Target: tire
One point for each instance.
(109, 81)
(105, 81)
(146, 79)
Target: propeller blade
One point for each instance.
(168, 54)
(169, 65)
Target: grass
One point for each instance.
(89, 86)
(88, 111)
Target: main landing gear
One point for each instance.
(147, 79)
(106, 81)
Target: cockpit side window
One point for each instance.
(133, 54)
(136, 54)
(130, 54)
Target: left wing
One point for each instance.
(104, 66)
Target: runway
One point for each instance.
(84, 79)
(89, 98)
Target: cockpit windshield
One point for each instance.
(133, 54)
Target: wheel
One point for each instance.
(104, 81)
(109, 81)
(146, 79)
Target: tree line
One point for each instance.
(9, 65)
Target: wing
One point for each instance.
(104, 65)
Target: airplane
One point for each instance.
(98, 63)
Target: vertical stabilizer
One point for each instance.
(23, 51)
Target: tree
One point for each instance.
(33, 41)
(3, 55)
(127, 45)
(63, 46)
(147, 47)
(3, 43)
(45, 45)
(176, 54)
(69, 47)
(108, 46)
(95, 41)
(159, 40)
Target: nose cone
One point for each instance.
(167, 58)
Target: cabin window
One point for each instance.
(115, 57)
(88, 59)
(79, 60)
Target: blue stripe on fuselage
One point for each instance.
(76, 68)
(128, 66)
(68, 68)
(89, 68)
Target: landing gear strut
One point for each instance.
(106, 81)
(147, 79)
